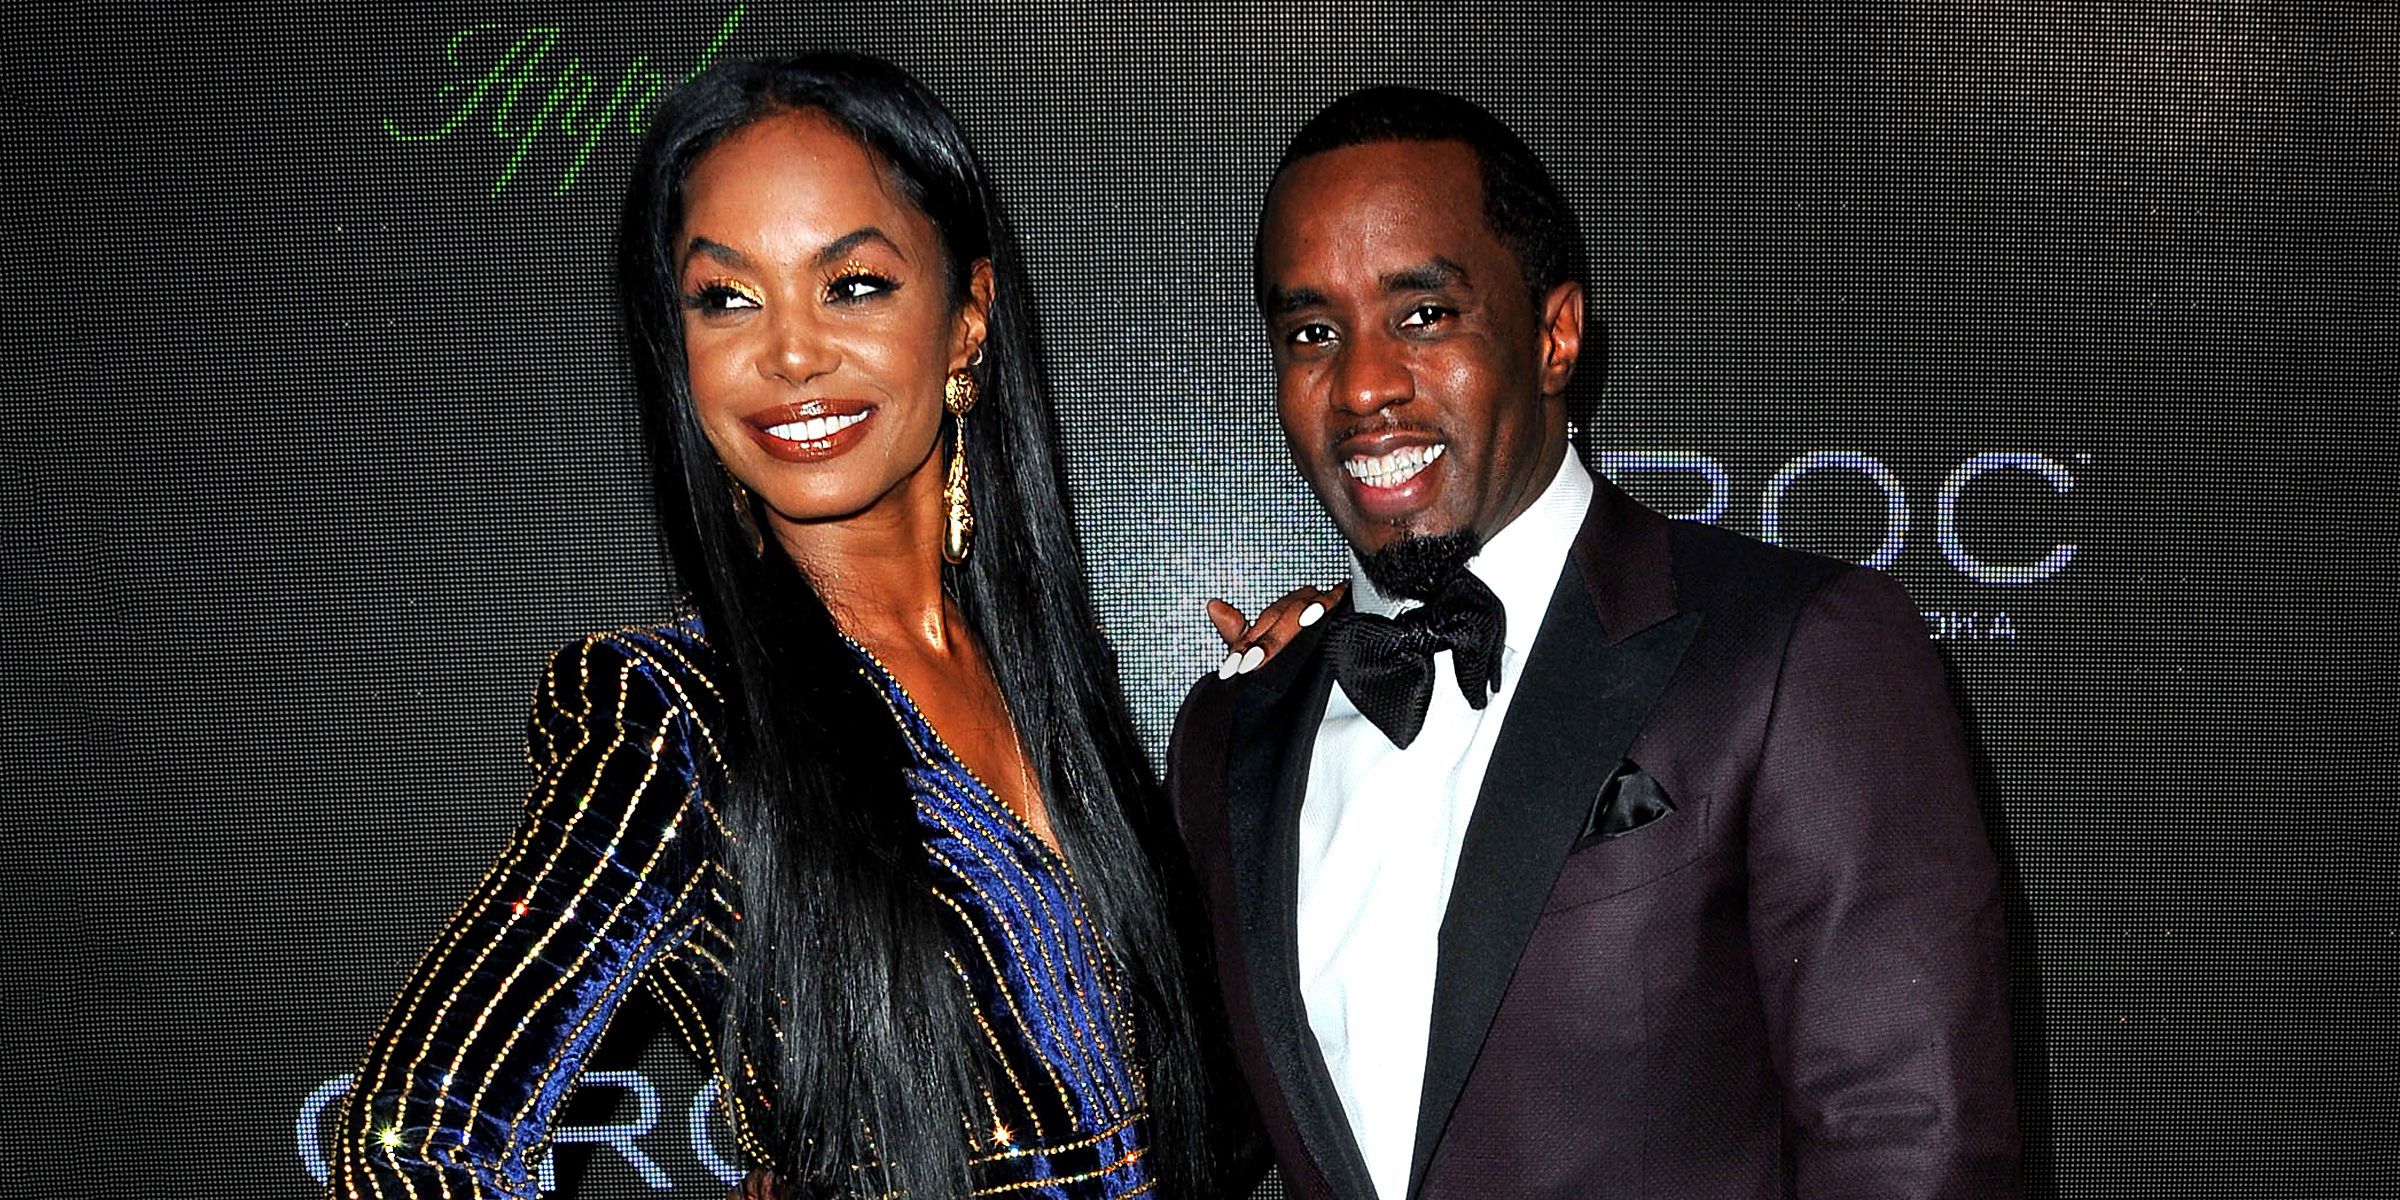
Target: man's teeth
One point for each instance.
(1392, 470)
(815, 429)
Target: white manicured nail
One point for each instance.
(1232, 663)
(1250, 661)
(1312, 614)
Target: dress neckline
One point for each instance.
(920, 731)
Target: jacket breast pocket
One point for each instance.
(1637, 834)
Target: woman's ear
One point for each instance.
(974, 317)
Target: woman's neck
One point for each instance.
(880, 576)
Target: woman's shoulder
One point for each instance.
(632, 669)
(675, 646)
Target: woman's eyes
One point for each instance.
(721, 296)
(857, 285)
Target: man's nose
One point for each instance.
(1372, 375)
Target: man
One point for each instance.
(1634, 857)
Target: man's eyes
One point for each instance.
(1419, 318)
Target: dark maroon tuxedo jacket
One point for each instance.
(1791, 984)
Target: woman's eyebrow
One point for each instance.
(842, 246)
(718, 251)
(834, 250)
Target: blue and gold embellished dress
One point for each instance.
(614, 878)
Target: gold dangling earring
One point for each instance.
(958, 526)
(745, 515)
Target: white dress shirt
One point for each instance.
(1380, 830)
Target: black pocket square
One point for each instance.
(1629, 800)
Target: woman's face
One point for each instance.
(818, 324)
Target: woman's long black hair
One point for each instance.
(845, 1025)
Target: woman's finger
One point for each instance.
(1229, 621)
(1282, 621)
(1230, 625)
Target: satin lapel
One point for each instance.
(1274, 734)
(1574, 714)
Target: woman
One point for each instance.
(886, 745)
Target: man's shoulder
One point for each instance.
(1202, 740)
(1643, 566)
(1197, 748)
(1755, 598)
(1715, 567)
(1199, 729)
(1749, 595)
(1214, 695)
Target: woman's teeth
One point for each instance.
(814, 429)
(1393, 469)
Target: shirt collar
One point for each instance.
(1520, 564)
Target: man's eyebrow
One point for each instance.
(1431, 276)
(1280, 300)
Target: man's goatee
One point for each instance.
(1419, 566)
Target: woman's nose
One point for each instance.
(800, 350)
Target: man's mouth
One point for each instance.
(1392, 469)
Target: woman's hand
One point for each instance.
(1249, 643)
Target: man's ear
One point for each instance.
(1561, 317)
(974, 316)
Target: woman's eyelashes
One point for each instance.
(721, 295)
(853, 283)
(847, 286)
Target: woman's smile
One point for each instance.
(813, 431)
(821, 316)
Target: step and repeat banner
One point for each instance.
(2075, 318)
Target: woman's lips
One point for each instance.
(810, 433)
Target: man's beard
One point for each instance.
(1420, 566)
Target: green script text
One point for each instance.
(502, 70)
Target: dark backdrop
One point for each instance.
(2078, 317)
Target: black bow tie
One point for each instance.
(1385, 664)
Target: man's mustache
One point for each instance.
(1389, 425)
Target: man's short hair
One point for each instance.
(1521, 205)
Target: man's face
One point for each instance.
(1419, 386)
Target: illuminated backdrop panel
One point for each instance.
(2075, 318)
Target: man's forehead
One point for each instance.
(1368, 172)
(1391, 210)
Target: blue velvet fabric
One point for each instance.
(615, 877)
(1066, 1118)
